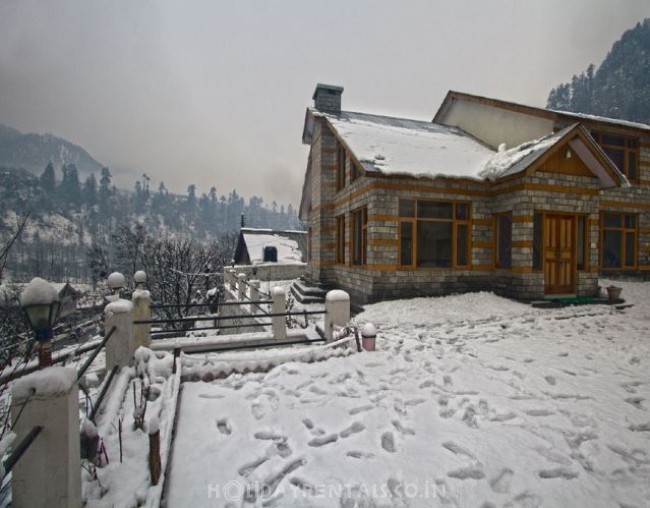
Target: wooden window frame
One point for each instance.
(340, 239)
(630, 146)
(622, 248)
(583, 265)
(359, 236)
(455, 223)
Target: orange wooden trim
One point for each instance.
(422, 188)
(519, 219)
(382, 217)
(644, 182)
(482, 268)
(523, 244)
(383, 242)
(594, 222)
(644, 248)
(644, 145)
(593, 269)
(482, 222)
(542, 187)
(522, 269)
(482, 245)
(621, 204)
(327, 149)
(644, 230)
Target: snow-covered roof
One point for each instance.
(287, 248)
(603, 119)
(403, 146)
(514, 160)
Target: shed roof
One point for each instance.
(288, 244)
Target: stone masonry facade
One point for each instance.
(546, 190)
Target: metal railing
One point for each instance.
(94, 354)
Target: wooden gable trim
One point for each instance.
(350, 153)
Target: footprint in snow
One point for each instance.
(501, 482)
(457, 449)
(550, 380)
(539, 412)
(406, 431)
(467, 473)
(524, 500)
(308, 423)
(558, 472)
(360, 455)
(360, 409)
(355, 428)
(269, 436)
(224, 426)
(635, 401)
(249, 467)
(388, 442)
(323, 440)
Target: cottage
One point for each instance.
(268, 254)
(490, 195)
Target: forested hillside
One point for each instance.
(619, 88)
(71, 220)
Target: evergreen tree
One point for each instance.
(48, 179)
(90, 191)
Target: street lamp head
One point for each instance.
(41, 304)
(140, 278)
(116, 281)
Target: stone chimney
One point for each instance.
(328, 98)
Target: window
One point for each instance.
(433, 233)
(270, 254)
(341, 157)
(623, 152)
(504, 240)
(359, 236)
(340, 239)
(618, 240)
(582, 243)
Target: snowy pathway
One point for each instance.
(471, 400)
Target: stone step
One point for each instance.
(308, 294)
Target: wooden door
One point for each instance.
(559, 254)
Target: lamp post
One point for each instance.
(116, 282)
(41, 304)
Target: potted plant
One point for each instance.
(614, 293)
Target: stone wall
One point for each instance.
(271, 271)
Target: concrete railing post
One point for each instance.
(279, 323)
(233, 279)
(141, 312)
(48, 474)
(241, 283)
(120, 347)
(255, 291)
(337, 312)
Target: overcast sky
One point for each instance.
(214, 92)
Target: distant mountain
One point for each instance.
(619, 88)
(34, 151)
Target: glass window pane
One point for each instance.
(462, 211)
(461, 245)
(434, 244)
(612, 220)
(406, 208)
(406, 243)
(612, 248)
(434, 210)
(629, 249)
(617, 157)
(537, 242)
(631, 165)
(613, 140)
(630, 220)
(504, 241)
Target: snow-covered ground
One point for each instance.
(469, 401)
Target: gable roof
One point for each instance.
(389, 146)
(550, 114)
(530, 156)
(290, 245)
